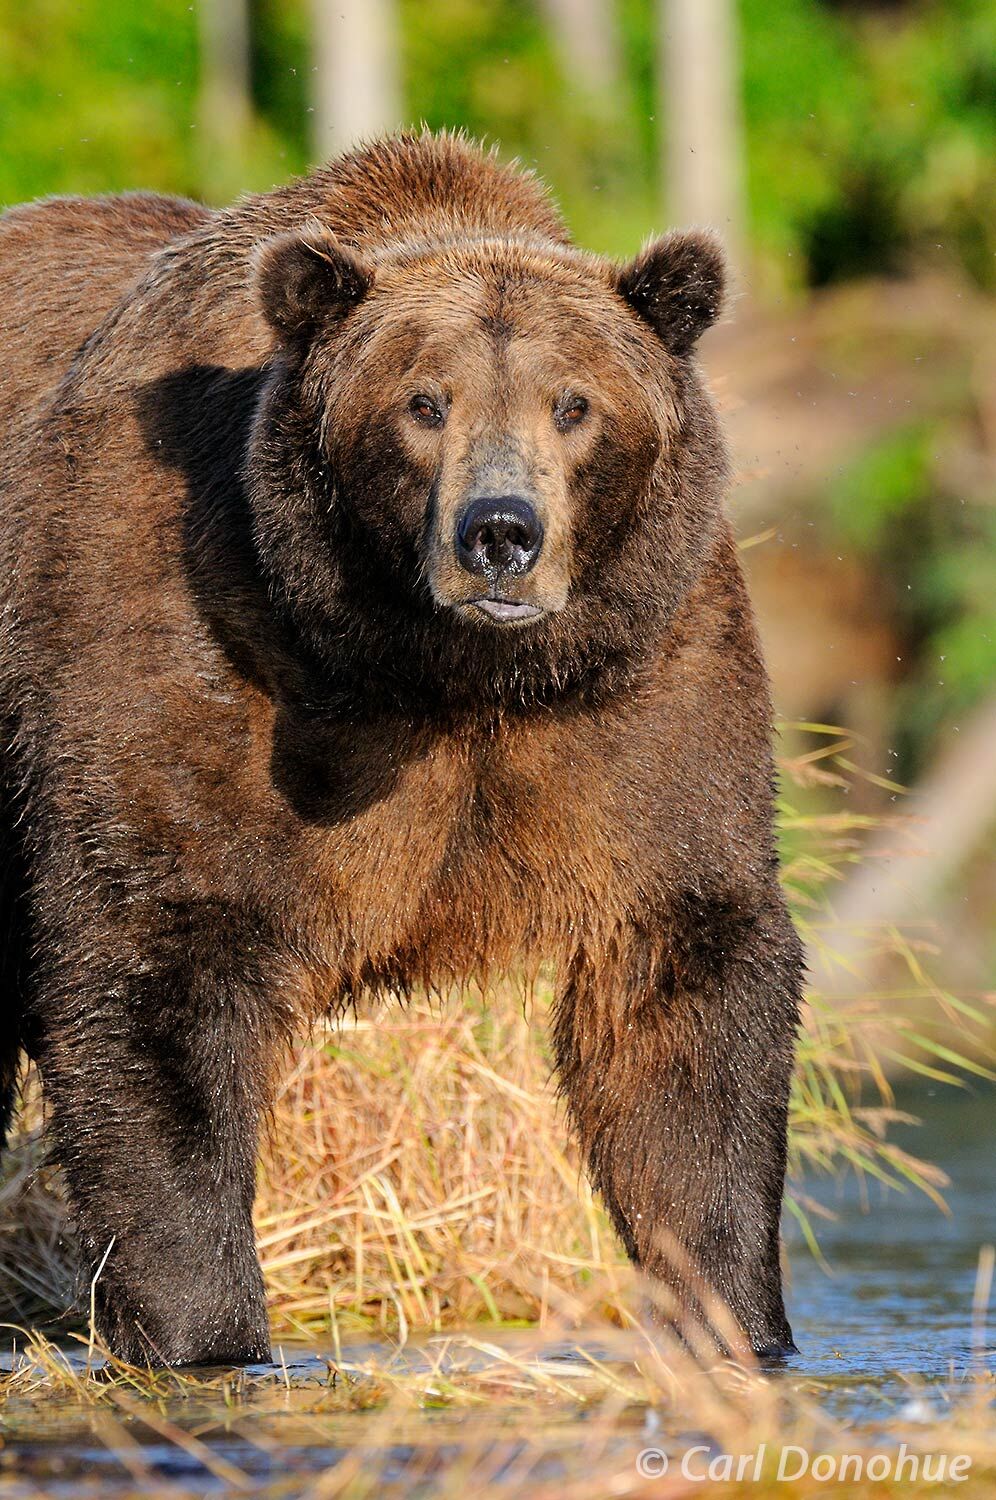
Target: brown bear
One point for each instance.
(370, 621)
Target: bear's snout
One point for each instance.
(499, 537)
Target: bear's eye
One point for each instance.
(425, 411)
(571, 412)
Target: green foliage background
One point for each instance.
(871, 129)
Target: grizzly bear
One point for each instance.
(370, 622)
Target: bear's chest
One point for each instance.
(428, 858)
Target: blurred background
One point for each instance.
(847, 152)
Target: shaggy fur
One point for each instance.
(266, 753)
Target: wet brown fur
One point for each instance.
(261, 760)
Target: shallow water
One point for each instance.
(896, 1310)
(885, 1335)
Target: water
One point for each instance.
(887, 1335)
(895, 1315)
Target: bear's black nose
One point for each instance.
(502, 535)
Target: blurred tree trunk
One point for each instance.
(699, 90)
(587, 39)
(358, 88)
(954, 807)
(225, 95)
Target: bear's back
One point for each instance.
(411, 187)
(64, 264)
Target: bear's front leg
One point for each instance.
(156, 1067)
(676, 1060)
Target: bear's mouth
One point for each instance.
(505, 611)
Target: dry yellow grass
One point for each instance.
(419, 1174)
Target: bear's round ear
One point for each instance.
(676, 285)
(306, 278)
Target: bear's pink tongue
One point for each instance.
(507, 609)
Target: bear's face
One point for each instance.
(502, 425)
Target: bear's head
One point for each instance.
(490, 458)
